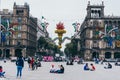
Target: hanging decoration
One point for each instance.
(108, 34)
(60, 31)
(76, 26)
(117, 43)
(6, 30)
(44, 23)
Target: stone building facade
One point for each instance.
(20, 32)
(99, 34)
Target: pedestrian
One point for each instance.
(36, 63)
(20, 65)
(32, 63)
(86, 68)
(92, 68)
(52, 69)
(96, 61)
(1, 72)
(108, 66)
(61, 69)
(29, 62)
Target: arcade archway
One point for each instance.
(18, 52)
(7, 53)
(95, 55)
(0, 53)
(108, 55)
(117, 55)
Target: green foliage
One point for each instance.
(71, 48)
(118, 37)
(43, 43)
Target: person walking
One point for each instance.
(32, 63)
(20, 65)
(29, 60)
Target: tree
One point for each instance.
(47, 44)
(71, 48)
(41, 42)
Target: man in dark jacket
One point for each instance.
(20, 65)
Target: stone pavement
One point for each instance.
(72, 72)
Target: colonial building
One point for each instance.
(20, 32)
(99, 34)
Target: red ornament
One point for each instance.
(60, 26)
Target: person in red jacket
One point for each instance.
(32, 63)
(1, 72)
(92, 67)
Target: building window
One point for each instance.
(118, 23)
(19, 35)
(19, 27)
(19, 12)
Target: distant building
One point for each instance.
(21, 32)
(99, 34)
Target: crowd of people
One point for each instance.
(34, 63)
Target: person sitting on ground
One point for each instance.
(61, 70)
(52, 70)
(117, 64)
(80, 61)
(67, 63)
(96, 61)
(109, 66)
(86, 67)
(92, 67)
(70, 62)
(1, 72)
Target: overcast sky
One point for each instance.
(66, 11)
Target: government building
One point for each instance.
(99, 34)
(18, 32)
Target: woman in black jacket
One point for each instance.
(20, 65)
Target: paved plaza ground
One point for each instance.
(72, 72)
